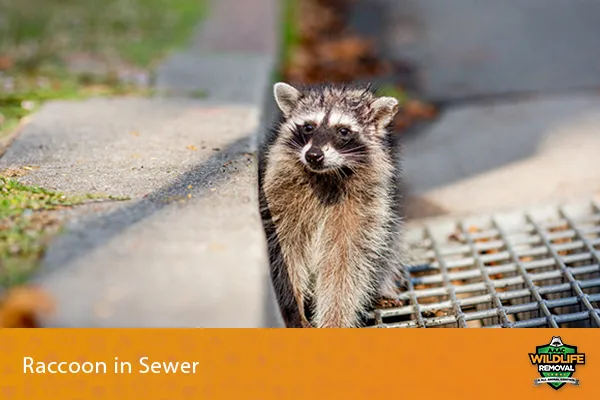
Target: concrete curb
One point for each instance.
(201, 262)
(233, 59)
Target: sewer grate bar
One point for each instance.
(490, 285)
(534, 268)
(503, 296)
(528, 279)
(562, 264)
(451, 291)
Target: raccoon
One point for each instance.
(329, 197)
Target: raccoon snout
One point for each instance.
(315, 156)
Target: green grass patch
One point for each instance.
(29, 92)
(38, 32)
(73, 49)
(27, 222)
(392, 91)
(291, 36)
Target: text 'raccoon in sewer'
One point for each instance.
(329, 194)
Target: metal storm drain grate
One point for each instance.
(536, 268)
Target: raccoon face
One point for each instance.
(327, 144)
(330, 129)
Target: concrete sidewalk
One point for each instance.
(487, 156)
(187, 250)
(518, 82)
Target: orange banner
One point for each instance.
(297, 364)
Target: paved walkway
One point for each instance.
(519, 83)
(188, 249)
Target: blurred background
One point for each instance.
(500, 98)
(52, 49)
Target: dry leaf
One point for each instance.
(6, 63)
(326, 51)
(389, 303)
(191, 147)
(22, 306)
(417, 109)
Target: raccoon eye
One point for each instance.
(344, 132)
(308, 128)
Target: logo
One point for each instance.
(556, 363)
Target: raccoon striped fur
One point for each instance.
(330, 204)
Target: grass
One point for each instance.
(392, 91)
(29, 95)
(27, 221)
(73, 49)
(290, 35)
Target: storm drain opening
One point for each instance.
(533, 269)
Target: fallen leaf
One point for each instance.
(134, 133)
(13, 172)
(389, 303)
(192, 147)
(325, 50)
(6, 63)
(419, 110)
(21, 307)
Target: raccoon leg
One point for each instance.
(388, 295)
(300, 302)
(293, 313)
(393, 281)
(284, 295)
(297, 280)
(286, 287)
(341, 296)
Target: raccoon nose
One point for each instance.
(314, 155)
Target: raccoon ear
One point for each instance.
(286, 97)
(384, 110)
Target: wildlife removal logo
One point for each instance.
(556, 363)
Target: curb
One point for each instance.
(231, 59)
(13, 135)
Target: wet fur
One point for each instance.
(334, 239)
